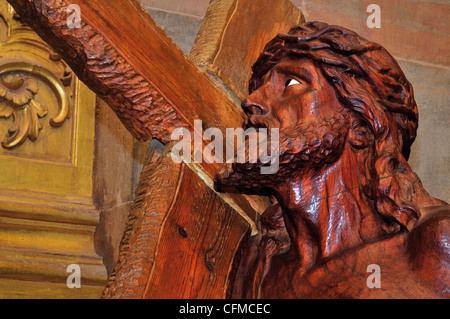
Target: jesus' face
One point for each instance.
(297, 98)
(293, 92)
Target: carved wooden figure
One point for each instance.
(345, 206)
(349, 204)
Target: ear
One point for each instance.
(360, 136)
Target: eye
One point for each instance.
(291, 82)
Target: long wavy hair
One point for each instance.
(370, 83)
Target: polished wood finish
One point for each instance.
(347, 198)
(176, 195)
(139, 86)
(179, 236)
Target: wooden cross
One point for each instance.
(153, 87)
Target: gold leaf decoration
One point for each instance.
(17, 99)
(27, 63)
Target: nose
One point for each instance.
(253, 105)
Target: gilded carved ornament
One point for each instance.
(25, 62)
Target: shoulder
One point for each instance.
(428, 248)
(432, 231)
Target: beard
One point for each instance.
(304, 149)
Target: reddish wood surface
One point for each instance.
(180, 239)
(348, 198)
(224, 49)
(143, 76)
(197, 244)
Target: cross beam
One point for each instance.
(120, 53)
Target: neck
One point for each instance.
(327, 213)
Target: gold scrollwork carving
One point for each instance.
(26, 61)
(18, 86)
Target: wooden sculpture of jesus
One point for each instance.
(348, 200)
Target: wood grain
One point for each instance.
(154, 195)
(234, 32)
(178, 237)
(145, 78)
(197, 244)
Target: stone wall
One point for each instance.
(415, 32)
